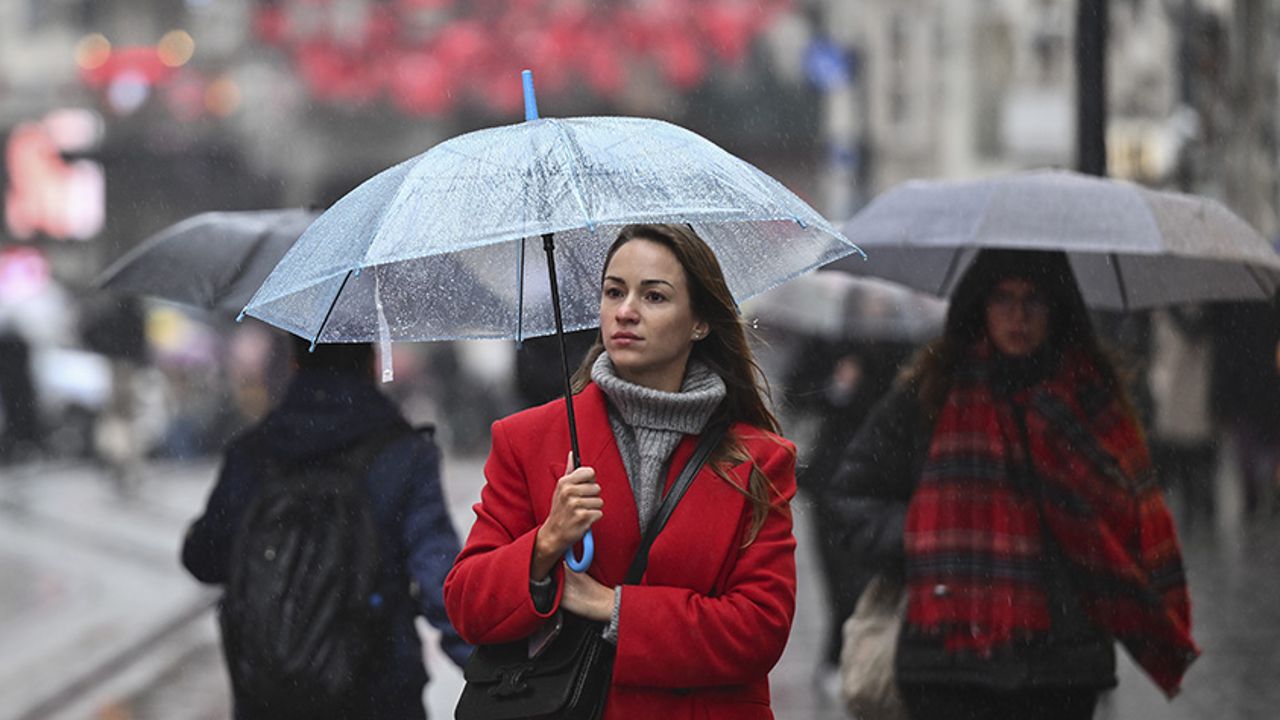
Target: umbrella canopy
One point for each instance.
(211, 261)
(839, 307)
(1129, 246)
(446, 245)
(442, 246)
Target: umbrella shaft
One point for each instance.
(549, 245)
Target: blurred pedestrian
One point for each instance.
(1246, 394)
(1019, 508)
(20, 436)
(116, 330)
(334, 415)
(837, 383)
(710, 618)
(539, 378)
(1183, 446)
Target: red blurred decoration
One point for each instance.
(427, 56)
(271, 24)
(420, 86)
(140, 61)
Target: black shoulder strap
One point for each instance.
(706, 444)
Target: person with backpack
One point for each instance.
(329, 530)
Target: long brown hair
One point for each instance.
(725, 350)
(934, 367)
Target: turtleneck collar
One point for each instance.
(638, 406)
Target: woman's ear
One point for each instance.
(700, 330)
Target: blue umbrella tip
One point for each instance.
(240, 317)
(530, 99)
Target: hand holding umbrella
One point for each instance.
(575, 506)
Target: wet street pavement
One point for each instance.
(98, 620)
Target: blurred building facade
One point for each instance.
(958, 88)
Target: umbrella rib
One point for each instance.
(1124, 291)
(332, 305)
(1262, 284)
(577, 160)
(951, 271)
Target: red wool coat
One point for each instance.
(699, 634)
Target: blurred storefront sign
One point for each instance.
(49, 190)
(1142, 150)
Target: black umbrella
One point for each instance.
(211, 261)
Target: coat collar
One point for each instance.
(591, 410)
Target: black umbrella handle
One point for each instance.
(549, 245)
(588, 541)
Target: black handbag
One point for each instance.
(569, 678)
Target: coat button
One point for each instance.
(940, 590)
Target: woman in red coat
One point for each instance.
(698, 636)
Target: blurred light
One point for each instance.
(74, 129)
(128, 91)
(222, 97)
(93, 51)
(176, 48)
(24, 272)
(46, 194)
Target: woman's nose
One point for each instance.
(627, 310)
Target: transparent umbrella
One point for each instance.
(445, 245)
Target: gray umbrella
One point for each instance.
(839, 307)
(1129, 246)
(212, 261)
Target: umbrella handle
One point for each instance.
(588, 553)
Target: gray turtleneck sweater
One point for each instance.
(648, 424)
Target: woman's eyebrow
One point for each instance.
(649, 281)
(656, 281)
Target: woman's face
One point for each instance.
(646, 315)
(1017, 317)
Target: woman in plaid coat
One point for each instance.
(1007, 480)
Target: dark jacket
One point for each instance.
(876, 478)
(321, 412)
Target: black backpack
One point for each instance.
(300, 618)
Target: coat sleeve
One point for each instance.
(432, 544)
(206, 550)
(876, 478)
(677, 638)
(487, 592)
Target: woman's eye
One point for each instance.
(655, 297)
(612, 292)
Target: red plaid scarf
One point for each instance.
(974, 541)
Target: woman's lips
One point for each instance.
(625, 339)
